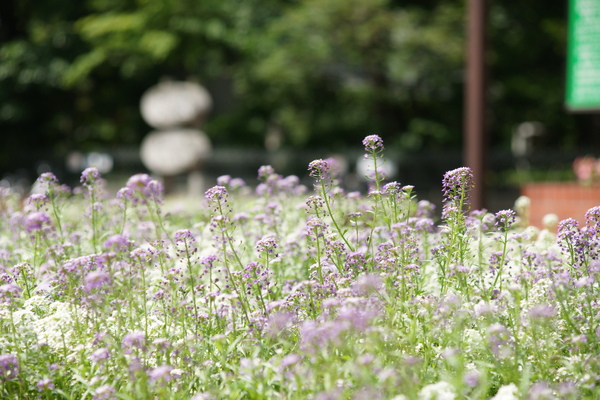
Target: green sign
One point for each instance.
(583, 57)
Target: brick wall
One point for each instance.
(567, 200)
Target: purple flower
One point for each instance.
(572, 241)
(279, 323)
(407, 190)
(424, 209)
(373, 143)
(316, 227)
(100, 355)
(161, 344)
(48, 178)
(505, 218)
(45, 384)
(471, 378)
(392, 189)
(184, 235)
(37, 200)
(95, 280)
(319, 169)
(89, 176)
(265, 173)
(185, 242)
(208, 260)
(498, 338)
(161, 374)
(140, 188)
(9, 292)
(117, 242)
(542, 311)
(223, 180)
(457, 183)
(126, 193)
(592, 216)
(134, 339)
(216, 194)
(154, 190)
(267, 244)
(315, 203)
(540, 391)
(104, 392)
(138, 182)
(237, 183)
(355, 262)
(9, 367)
(36, 221)
(367, 284)
(290, 359)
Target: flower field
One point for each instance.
(288, 292)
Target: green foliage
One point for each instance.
(342, 67)
(321, 72)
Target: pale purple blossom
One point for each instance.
(289, 360)
(265, 173)
(100, 355)
(138, 182)
(135, 339)
(216, 194)
(161, 374)
(89, 176)
(45, 384)
(117, 242)
(9, 367)
(457, 184)
(505, 219)
(319, 169)
(9, 292)
(268, 244)
(373, 143)
(48, 178)
(105, 392)
(95, 280)
(36, 221)
(542, 311)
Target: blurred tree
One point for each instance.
(36, 45)
(329, 71)
(528, 44)
(320, 72)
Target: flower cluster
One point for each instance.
(373, 143)
(9, 367)
(279, 293)
(457, 184)
(319, 169)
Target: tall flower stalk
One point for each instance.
(457, 185)
(91, 179)
(319, 170)
(373, 145)
(221, 225)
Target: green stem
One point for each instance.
(337, 227)
(56, 213)
(192, 284)
(94, 227)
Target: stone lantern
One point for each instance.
(176, 110)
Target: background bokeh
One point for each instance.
(290, 80)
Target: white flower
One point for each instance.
(550, 221)
(437, 391)
(507, 392)
(522, 204)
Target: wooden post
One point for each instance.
(475, 143)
